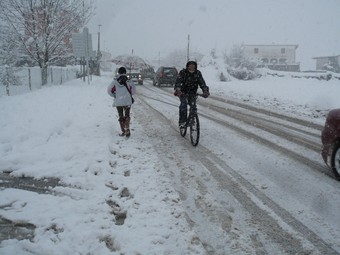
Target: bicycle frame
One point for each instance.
(192, 122)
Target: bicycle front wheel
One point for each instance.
(195, 131)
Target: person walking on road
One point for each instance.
(122, 89)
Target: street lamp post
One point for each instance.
(99, 54)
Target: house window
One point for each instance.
(283, 50)
(256, 50)
(265, 61)
(282, 61)
(273, 61)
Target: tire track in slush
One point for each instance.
(287, 240)
(316, 166)
(243, 190)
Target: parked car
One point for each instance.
(165, 76)
(135, 76)
(330, 138)
(148, 73)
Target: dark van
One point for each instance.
(165, 76)
(148, 73)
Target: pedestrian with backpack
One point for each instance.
(122, 89)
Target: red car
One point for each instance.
(330, 138)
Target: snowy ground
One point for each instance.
(116, 196)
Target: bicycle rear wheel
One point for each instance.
(195, 131)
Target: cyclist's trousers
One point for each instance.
(183, 107)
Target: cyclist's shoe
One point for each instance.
(127, 133)
(182, 124)
(192, 122)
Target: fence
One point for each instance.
(319, 75)
(25, 79)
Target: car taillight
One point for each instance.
(161, 74)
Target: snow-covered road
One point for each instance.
(254, 180)
(255, 184)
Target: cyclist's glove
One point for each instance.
(206, 93)
(178, 93)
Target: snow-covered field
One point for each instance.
(116, 195)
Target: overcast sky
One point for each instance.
(156, 27)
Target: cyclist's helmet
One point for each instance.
(192, 62)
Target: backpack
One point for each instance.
(122, 81)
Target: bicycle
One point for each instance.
(192, 122)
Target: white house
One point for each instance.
(274, 56)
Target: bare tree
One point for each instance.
(178, 58)
(40, 30)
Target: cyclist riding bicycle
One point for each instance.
(186, 87)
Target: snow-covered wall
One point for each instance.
(29, 78)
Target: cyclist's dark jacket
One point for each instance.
(188, 82)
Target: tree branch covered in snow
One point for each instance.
(239, 66)
(8, 52)
(41, 30)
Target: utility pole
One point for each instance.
(99, 39)
(131, 63)
(188, 50)
(159, 59)
(99, 54)
(83, 13)
(87, 52)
